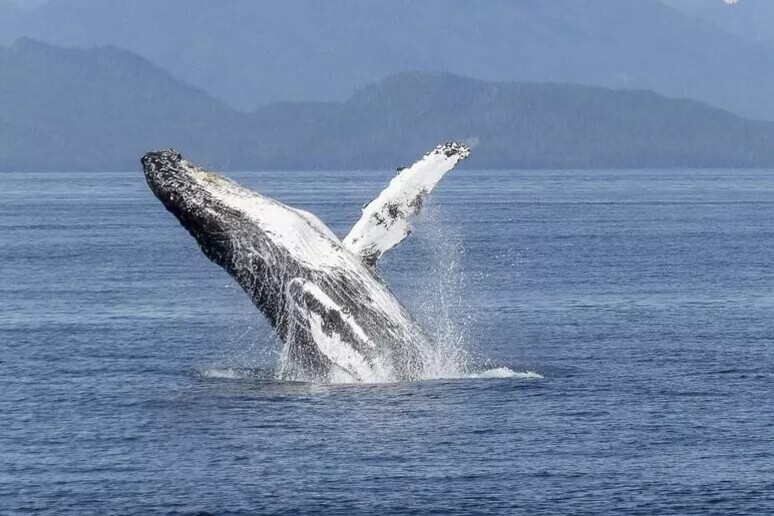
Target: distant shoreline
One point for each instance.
(102, 108)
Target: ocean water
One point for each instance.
(619, 327)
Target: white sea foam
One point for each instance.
(505, 372)
(234, 373)
(497, 373)
(228, 373)
(240, 373)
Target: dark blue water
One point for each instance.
(135, 378)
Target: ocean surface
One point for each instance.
(619, 327)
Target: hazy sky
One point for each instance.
(699, 3)
(680, 3)
(28, 3)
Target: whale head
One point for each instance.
(204, 203)
(232, 225)
(261, 242)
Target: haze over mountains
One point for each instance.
(751, 20)
(189, 73)
(248, 52)
(100, 109)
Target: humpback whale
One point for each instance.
(323, 296)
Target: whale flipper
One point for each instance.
(386, 220)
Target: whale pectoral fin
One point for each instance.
(386, 220)
(335, 333)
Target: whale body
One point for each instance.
(323, 296)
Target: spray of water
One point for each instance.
(435, 293)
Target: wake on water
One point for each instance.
(437, 294)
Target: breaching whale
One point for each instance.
(337, 318)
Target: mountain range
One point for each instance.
(248, 53)
(101, 108)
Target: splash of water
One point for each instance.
(505, 372)
(436, 293)
(246, 373)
